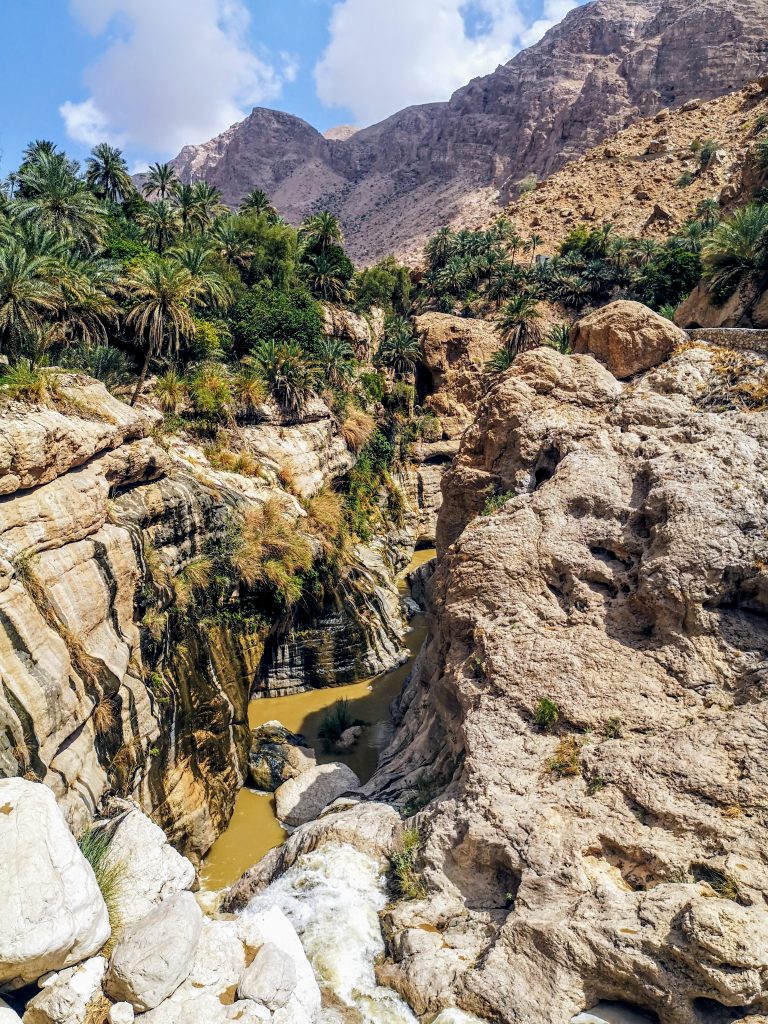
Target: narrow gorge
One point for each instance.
(386, 644)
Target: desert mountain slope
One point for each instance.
(606, 65)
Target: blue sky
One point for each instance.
(152, 75)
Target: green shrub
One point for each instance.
(686, 178)
(27, 383)
(103, 362)
(495, 502)
(336, 721)
(613, 729)
(110, 877)
(424, 792)
(264, 314)
(405, 882)
(547, 714)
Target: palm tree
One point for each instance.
(56, 199)
(195, 257)
(334, 360)
(326, 277)
(159, 224)
(160, 296)
(454, 276)
(559, 338)
(206, 204)
(400, 349)
(184, 201)
(290, 376)
(708, 212)
(160, 181)
(107, 174)
(321, 232)
(532, 245)
(87, 309)
(500, 361)
(439, 248)
(737, 249)
(27, 294)
(258, 202)
(231, 242)
(519, 324)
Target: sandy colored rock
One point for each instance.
(627, 337)
(276, 756)
(303, 798)
(53, 912)
(624, 581)
(154, 955)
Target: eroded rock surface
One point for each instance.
(303, 798)
(617, 851)
(627, 337)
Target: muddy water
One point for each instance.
(254, 829)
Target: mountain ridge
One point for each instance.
(606, 65)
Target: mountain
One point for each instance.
(606, 65)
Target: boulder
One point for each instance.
(271, 979)
(350, 736)
(7, 1015)
(121, 1013)
(627, 337)
(301, 799)
(53, 912)
(270, 927)
(699, 310)
(154, 955)
(276, 756)
(65, 997)
(151, 870)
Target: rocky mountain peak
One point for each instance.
(605, 65)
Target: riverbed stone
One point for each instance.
(276, 756)
(53, 914)
(301, 799)
(154, 955)
(349, 737)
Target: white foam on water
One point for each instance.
(332, 897)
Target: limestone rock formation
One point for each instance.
(154, 954)
(362, 332)
(270, 980)
(150, 869)
(65, 997)
(53, 913)
(454, 353)
(607, 64)
(303, 798)
(590, 704)
(627, 337)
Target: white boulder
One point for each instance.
(271, 979)
(121, 1013)
(271, 927)
(64, 997)
(151, 870)
(155, 955)
(7, 1015)
(53, 912)
(302, 799)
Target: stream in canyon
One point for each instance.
(254, 829)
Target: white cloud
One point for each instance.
(385, 56)
(173, 72)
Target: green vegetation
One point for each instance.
(495, 502)
(547, 715)
(110, 877)
(566, 760)
(336, 721)
(405, 882)
(422, 794)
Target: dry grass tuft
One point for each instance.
(105, 714)
(272, 552)
(567, 758)
(357, 430)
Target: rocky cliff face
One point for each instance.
(105, 685)
(609, 63)
(590, 704)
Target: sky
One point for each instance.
(151, 76)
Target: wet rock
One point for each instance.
(302, 799)
(154, 955)
(276, 756)
(627, 337)
(65, 997)
(349, 737)
(53, 912)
